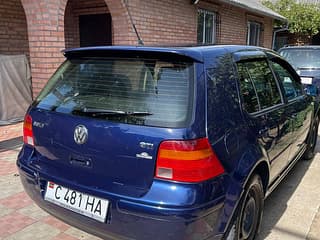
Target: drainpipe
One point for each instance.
(275, 34)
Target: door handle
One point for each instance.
(80, 161)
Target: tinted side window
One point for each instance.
(263, 83)
(248, 92)
(292, 88)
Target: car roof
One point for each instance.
(196, 53)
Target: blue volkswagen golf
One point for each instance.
(165, 143)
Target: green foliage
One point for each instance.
(302, 18)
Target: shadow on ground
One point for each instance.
(10, 144)
(276, 203)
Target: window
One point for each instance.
(291, 87)
(253, 35)
(206, 27)
(258, 87)
(303, 57)
(248, 92)
(151, 92)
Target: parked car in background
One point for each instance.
(306, 61)
(166, 143)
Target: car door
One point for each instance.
(300, 106)
(264, 105)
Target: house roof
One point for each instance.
(255, 6)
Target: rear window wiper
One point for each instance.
(98, 111)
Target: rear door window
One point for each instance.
(135, 91)
(258, 86)
(248, 91)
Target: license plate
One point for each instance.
(78, 202)
(306, 80)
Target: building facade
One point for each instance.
(42, 28)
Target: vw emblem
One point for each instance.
(80, 135)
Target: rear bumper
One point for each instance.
(131, 218)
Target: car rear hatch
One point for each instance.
(100, 119)
(310, 76)
(305, 60)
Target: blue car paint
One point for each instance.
(137, 212)
(152, 208)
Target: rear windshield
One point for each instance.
(302, 57)
(135, 91)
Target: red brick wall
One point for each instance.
(122, 32)
(13, 28)
(175, 22)
(233, 27)
(230, 33)
(46, 22)
(267, 26)
(268, 32)
(46, 38)
(158, 22)
(164, 22)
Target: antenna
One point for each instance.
(140, 42)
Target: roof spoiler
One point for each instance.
(248, 55)
(186, 54)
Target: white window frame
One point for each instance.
(206, 12)
(256, 32)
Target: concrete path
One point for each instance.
(292, 210)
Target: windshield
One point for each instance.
(302, 58)
(135, 91)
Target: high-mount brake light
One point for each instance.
(187, 161)
(27, 130)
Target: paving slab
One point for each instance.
(36, 231)
(314, 233)
(290, 211)
(20, 218)
(9, 185)
(34, 212)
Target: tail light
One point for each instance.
(27, 131)
(187, 161)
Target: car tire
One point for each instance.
(312, 141)
(247, 223)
